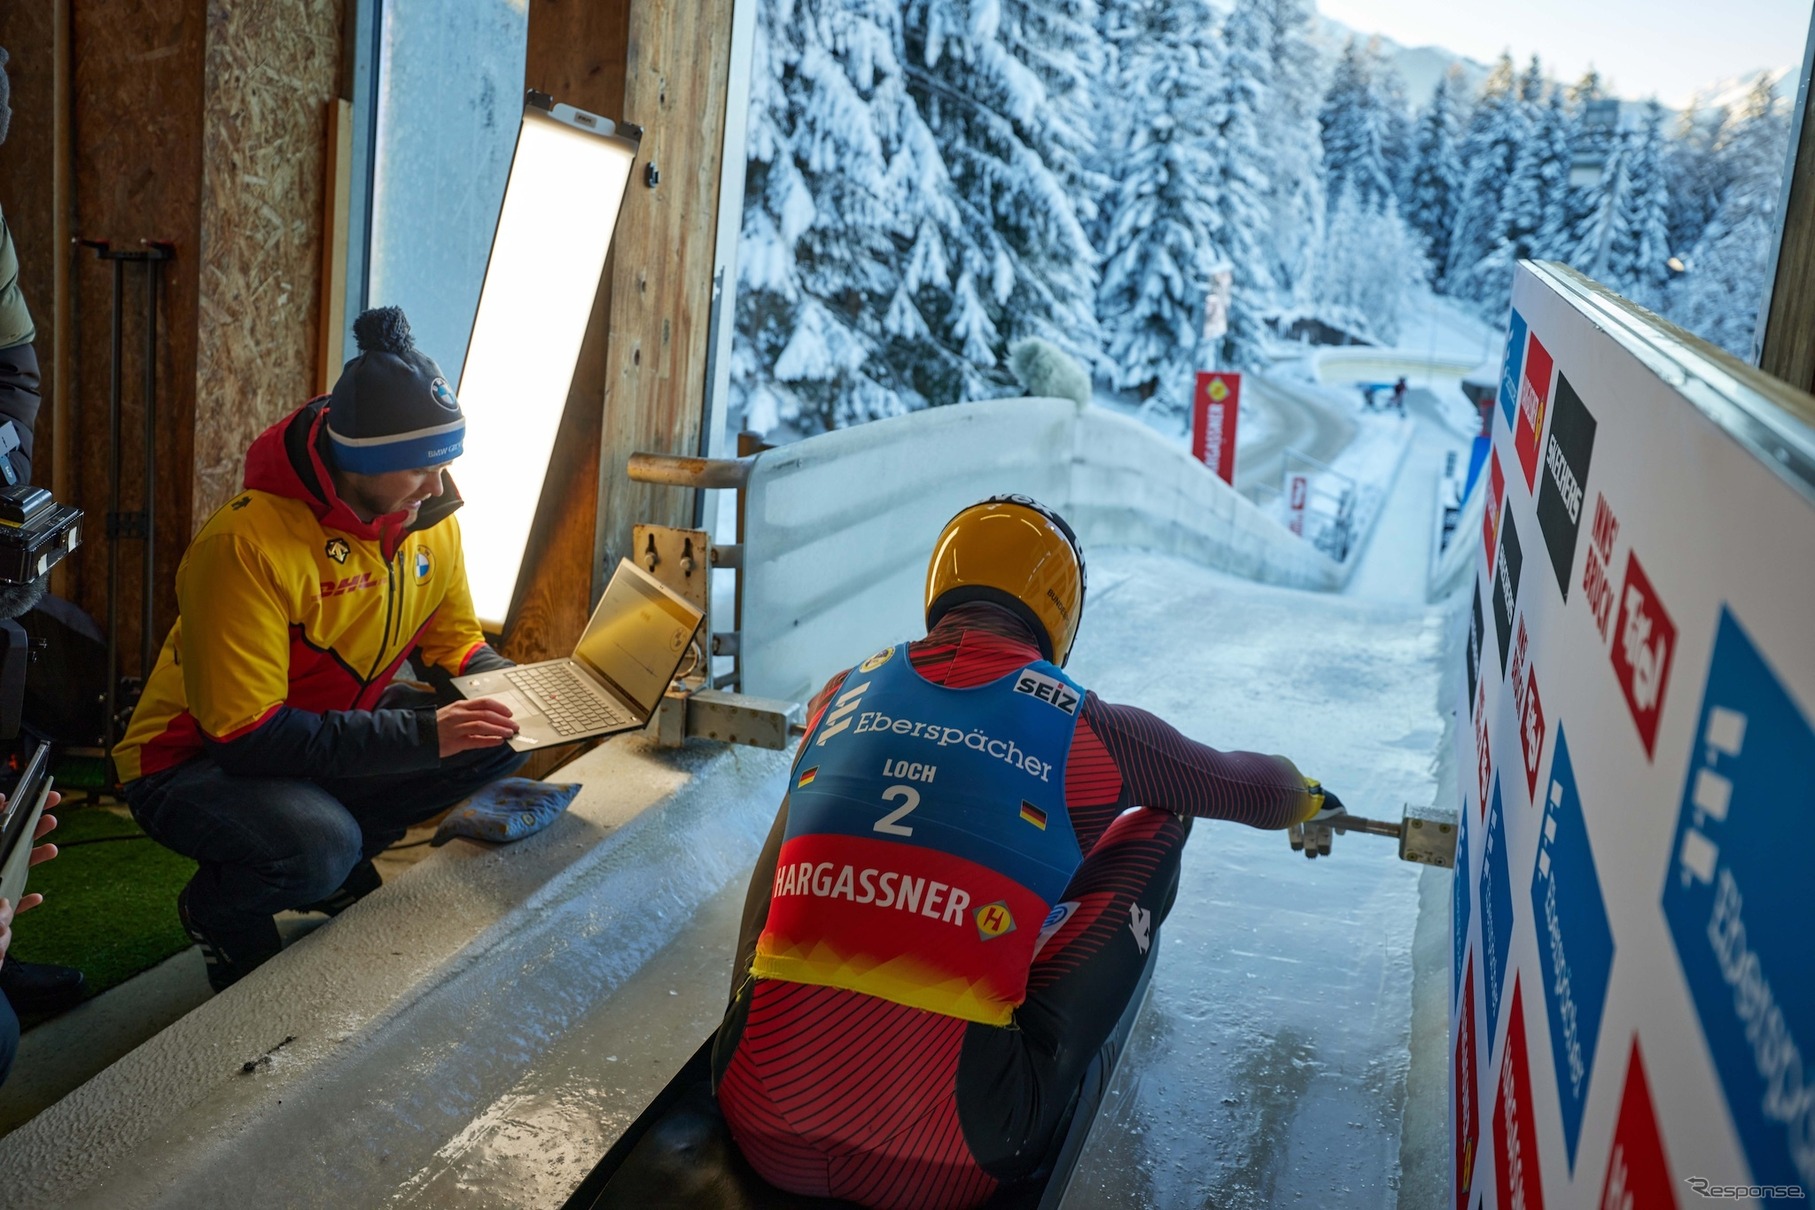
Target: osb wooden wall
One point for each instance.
(137, 85)
(272, 65)
(200, 123)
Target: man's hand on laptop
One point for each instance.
(482, 722)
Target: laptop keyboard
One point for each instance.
(571, 707)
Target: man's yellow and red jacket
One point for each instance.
(293, 617)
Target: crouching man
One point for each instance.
(267, 745)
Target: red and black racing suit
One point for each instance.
(834, 1093)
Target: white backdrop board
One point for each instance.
(1633, 1001)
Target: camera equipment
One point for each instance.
(36, 533)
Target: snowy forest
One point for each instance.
(931, 182)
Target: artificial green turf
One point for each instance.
(108, 908)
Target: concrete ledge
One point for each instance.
(412, 1009)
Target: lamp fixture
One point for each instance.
(561, 202)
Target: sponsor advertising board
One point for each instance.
(1214, 410)
(1633, 999)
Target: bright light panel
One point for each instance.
(560, 205)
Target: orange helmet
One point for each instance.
(1015, 552)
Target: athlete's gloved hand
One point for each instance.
(1313, 836)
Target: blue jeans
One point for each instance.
(9, 1038)
(266, 845)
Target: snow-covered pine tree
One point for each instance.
(1718, 298)
(1489, 148)
(1165, 215)
(839, 172)
(1697, 174)
(1291, 141)
(1354, 159)
(1369, 262)
(1556, 134)
(1643, 239)
(1239, 98)
(1522, 203)
(1397, 129)
(1436, 181)
(1599, 233)
(1023, 264)
(1531, 83)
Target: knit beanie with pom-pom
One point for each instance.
(392, 410)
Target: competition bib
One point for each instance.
(927, 839)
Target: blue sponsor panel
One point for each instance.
(1511, 367)
(1736, 901)
(1496, 911)
(1575, 942)
(1459, 886)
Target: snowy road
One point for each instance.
(1395, 563)
(1302, 421)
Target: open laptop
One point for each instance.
(619, 670)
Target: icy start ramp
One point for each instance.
(1271, 1064)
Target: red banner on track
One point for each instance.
(1214, 410)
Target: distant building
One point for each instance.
(1600, 130)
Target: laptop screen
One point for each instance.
(637, 635)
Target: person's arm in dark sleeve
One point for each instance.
(19, 401)
(484, 658)
(18, 360)
(1162, 768)
(338, 743)
(235, 656)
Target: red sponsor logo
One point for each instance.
(333, 588)
(1490, 520)
(1644, 641)
(1531, 733)
(1534, 401)
(1517, 1179)
(1213, 416)
(1484, 764)
(1527, 707)
(1638, 1170)
(1468, 1105)
(1297, 489)
(1597, 582)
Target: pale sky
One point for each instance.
(1666, 48)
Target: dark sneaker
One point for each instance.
(228, 961)
(38, 987)
(362, 881)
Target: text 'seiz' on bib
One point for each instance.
(927, 839)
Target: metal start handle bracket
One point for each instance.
(1426, 835)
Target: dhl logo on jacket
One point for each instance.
(927, 839)
(286, 598)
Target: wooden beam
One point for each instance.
(662, 280)
(577, 52)
(1787, 345)
(337, 200)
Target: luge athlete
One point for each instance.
(960, 889)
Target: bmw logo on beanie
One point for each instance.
(392, 410)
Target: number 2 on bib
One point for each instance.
(890, 823)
